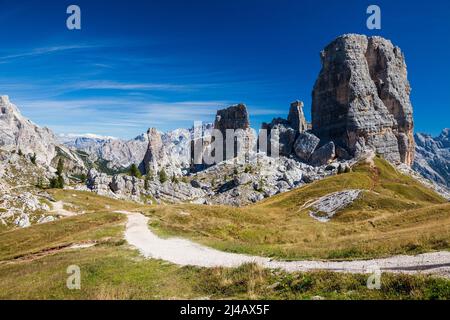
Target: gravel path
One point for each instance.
(58, 208)
(185, 252)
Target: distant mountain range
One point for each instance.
(433, 157)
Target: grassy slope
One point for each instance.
(33, 261)
(396, 215)
(112, 270)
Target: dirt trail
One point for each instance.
(58, 208)
(185, 252)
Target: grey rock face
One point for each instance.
(17, 133)
(154, 154)
(173, 156)
(126, 187)
(296, 117)
(118, 154)
(305, 145)
(98, 182)
(433, 157)
(242, 179)
(21, 203)
(361, 98)
(323, 155)
(324, 208)
(169, 151)
(261, 177)
(288, 130)
(286, 136)
(234, 117)
(200, 185)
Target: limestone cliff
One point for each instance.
(361, 99)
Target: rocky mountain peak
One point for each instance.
(154, 152)
(361, 98)
(18, 133)
(4, 100)
(433, 157)
(234, 117)
(296, 116)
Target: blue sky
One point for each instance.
(140, 64)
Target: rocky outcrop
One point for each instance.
(433, 157)
(285, 133)
(261, 177)
(296, 117)
(324, 155)
(155, 154)
(116, 153)
(235, 118)
(288, 129)
(361, 98)
(21, 203)
(126, 187)
(19, 134)
(324, 208)
(305, 145)
(99, 182)
(171, 151)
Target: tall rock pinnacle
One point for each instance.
(361, 99)
(154, 154)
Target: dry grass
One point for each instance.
(395, 215)
(112, 270)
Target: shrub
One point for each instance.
(134, 171)
(60, 167)
(162, 176)
(57, 182)
(83, 177)
(33, 158)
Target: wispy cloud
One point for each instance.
(118, 116)
(111, 85)
(41, 51)
(124, 117)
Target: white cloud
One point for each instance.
(85, 135)
(41, 51)
(111, 85)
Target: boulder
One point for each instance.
(305, 145)
(242, 179)
(286, 138)
(324, 155)
(200, 185)
(98, 182)
(196, 184)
